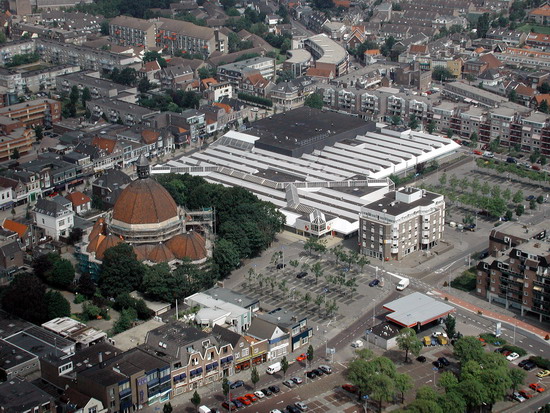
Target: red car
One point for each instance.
(525, 394)
(302, 357)
(478, 152)
(537, 387)
(251, 397)
(244, 401)
(350, 388)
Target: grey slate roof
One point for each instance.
(47, 207)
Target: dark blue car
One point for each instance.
(374, 283)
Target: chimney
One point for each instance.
(100, 357)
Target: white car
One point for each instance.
(512, 357)
(275, 411)
(259, 394)
(301, 406)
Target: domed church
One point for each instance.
(146, 216)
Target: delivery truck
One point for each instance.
(404, 283)
(274, 368)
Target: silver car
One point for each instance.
(301, 406)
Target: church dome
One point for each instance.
(144, 201)
(190, 245)
(108, 242)
(160, 253)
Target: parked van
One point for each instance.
(452, 224)
(404, 283)
(427, 341)
(488, 154)
(274, 368)
(204, 409)
(357, 344)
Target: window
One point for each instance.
(245, 352)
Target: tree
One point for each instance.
(413, 122)
(62, 273)
(120, 271)
(483, 24)
(151, 56)
(86, 96)
(517, 377)
(226, 256)
(474, 140)
(443, 179)
(442, 74)
(468, 348)
(105, 28)
(74, 95)
(167, 408)
(317, 270)
(518, 197)
(408, 341)
(450, 326)
(254, 376)
(310, 354)
(395, 120)
(196, 400)
(520, 209)
(448, 381)
(513, 95)
(86, 285)
(15, 154)
(38, 132)
(226, 388)
(403, 383)
(125, 321)
(473, 392)
(315, 100)
(543, 107)
(26, 289)
(57, 305)
(533, 204)
(431, 127)
(284, 365)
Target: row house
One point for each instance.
(540, 40)
(117, 111)
(247, 351)
(540, 15)
(507, 36)
(151, 142)
(195, 358)
(186, 127)
(175, 77)
(18, 192)
(284, 331)
(255, 84)
(127, 381)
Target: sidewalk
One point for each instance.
(493, 314)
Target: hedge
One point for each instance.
(255, 99)
(492, 339)
(541, 362)
(515, 349)
(465, 282)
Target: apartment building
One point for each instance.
(42, 112)
(99, 88)
(54, 219)
(18, 139)
(88, 58)
(129, 31)
(518, 277)
(235, 73)
(119, 111)
(327, 54)
(177, 35)
(463, 92)
(402, 222)
(18, 395)
(291, 94)
(17, 47)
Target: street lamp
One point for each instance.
(373, 310)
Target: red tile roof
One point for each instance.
(77, 198)
(538, 37)
(418, 48)
(316, 72)
(491, 60)
(224, 106)
(151, 66)
(150, 136)
(525, 91)
(543, 10)
(14, 226)
(107, 145)
(541, 97)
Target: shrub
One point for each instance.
(515, 349)
(90, 311)
(540, 362)
(465, 282)
(255, 99)
(79, 299)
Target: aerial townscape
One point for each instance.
(274, 206)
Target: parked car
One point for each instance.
(289, 383)
(522, 363)
(483, 255)
(506, 353)
(530, 365)
(311, 374)
(301, 274)
(482, 341)
(374, 283)
(444, 361)
(229, 405)
(518, 397)
(318, 372)
(244, 401)
(525, 393)
(292, 409)
(251, 397)
(238, 383)
(326, 369)
(267, 392)
(476, 152)
(421, 359)
(275, 411)
(512, 357)
(437, 364)
(297, 380)
(301, 406)
(470, 227)
(511, 160)
(537, 387)
(238, 404)
(543, 373)
(274, 389)
(350, 388)
(302, 357)
(281, 266)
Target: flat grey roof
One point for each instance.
(416, 308)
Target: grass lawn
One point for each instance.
(532, 27)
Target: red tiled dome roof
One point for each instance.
(95, 243)
(142, 251)
(108, 242)
(160, 253)
(190, 245)
(144, 201)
